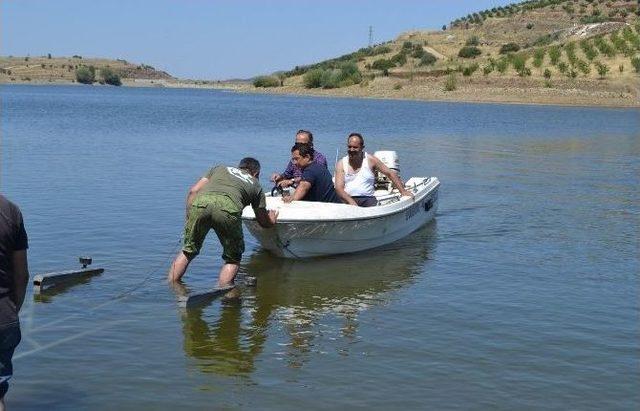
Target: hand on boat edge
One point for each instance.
(407, 193)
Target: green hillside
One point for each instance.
(548, 40)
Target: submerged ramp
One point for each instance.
(195, 299)
(42, 282)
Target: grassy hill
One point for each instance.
(49, 69)
(563, 51)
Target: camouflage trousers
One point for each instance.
(218, 212)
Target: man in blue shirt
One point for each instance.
(315, 182)
(293, 173)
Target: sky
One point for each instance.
(216, 39)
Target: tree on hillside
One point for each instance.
(427, 59)
(509, 48)
(602, 70)
(469, 52)
(85, 75)
(267, 81)
(110, 77)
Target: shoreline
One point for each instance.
(521, 103)
(502, 95)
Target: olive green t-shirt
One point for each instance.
(242, 188)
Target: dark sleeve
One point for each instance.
(309, 175)
(20, 241)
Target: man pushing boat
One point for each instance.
(355, 175)
(216, 202)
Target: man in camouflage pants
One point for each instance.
(216, 202)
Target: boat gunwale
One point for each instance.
(335, 220)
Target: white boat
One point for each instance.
(311, 229)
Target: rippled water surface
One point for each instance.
(522, 294)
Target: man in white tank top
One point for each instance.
(355, 175)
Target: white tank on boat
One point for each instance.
(389, 159)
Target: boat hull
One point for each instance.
(291, 238)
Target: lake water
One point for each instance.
(522, 294)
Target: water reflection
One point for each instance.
(219, 341)
(305, 300)
(47, 295)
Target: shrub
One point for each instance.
(594, 19)
(547, 74)
(529, 26)
(544, 40)
(472, 41)
(620, 44)
(570, 50)
(538, 57)
(603, 69)
(451, 83)
(330, 79)
(502, 65)
(427, 59)
(635, 62)
(399, 59)
(589, 51)
(346, 75)
(418, 52)
(469, 52)
(313, 78)
(562, 67)
(85, 75)
(486, 70)
(518, 62)
(604, 47)
(266, 81)
(572, 74)
(554, 55)
(110, 77)
(509, 48)
(382, 64)
(583, 66)
(349, 74)
(469, 70)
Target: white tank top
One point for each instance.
(360, 183)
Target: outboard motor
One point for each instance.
(389, 159)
